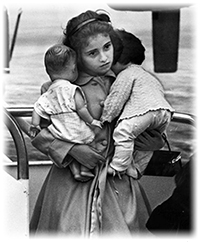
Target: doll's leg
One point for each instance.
(111, 171)
(75, 168)
(86, 172)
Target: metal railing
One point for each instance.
(184, 118)
(21, 150)
(15, 122)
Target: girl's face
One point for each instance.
(97, 56)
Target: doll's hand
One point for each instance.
(45, 86)
(149, 141)
(96, 123)
(33, 131)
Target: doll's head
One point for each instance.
(60, 62)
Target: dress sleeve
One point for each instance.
(119, 94)
(56, 149)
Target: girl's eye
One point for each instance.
(107, 46)
(93, 53)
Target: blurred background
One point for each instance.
(41, 26)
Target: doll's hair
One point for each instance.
(57, 57)
(133, 50)
(79, 29)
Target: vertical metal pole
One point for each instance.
(6, 42)
(15, 33)
(166, 40)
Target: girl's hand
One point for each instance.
(149, 141)
(86, 155)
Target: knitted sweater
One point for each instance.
(134, 92)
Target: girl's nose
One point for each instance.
(103, 57)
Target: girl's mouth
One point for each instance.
(105, 65)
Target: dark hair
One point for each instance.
(117, 45)
(57, 57)
(85, 25)
(133, 50)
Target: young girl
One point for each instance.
(104, 204)
(64, 103)
(138, 97)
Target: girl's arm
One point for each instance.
(86, 155)
(149, 141)
(61, 151)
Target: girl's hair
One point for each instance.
(57, 57)
(118, 46)
(85, 25)
(133, 50)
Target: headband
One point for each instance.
(79, 26)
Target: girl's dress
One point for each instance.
(105, 205)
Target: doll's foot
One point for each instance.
(87, 174)
(77, 176)
(80, 178)
(111, 171)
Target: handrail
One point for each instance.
(177, 116)
(22, 156)
(16, 123)
(20, 111)
(183, 118)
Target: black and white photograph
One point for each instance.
(99, 120)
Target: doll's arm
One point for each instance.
(83, 112)
(35, 125)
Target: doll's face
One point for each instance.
(97, 56)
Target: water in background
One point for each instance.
(41, 27)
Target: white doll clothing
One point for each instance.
(125, 158)
(58, 105)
